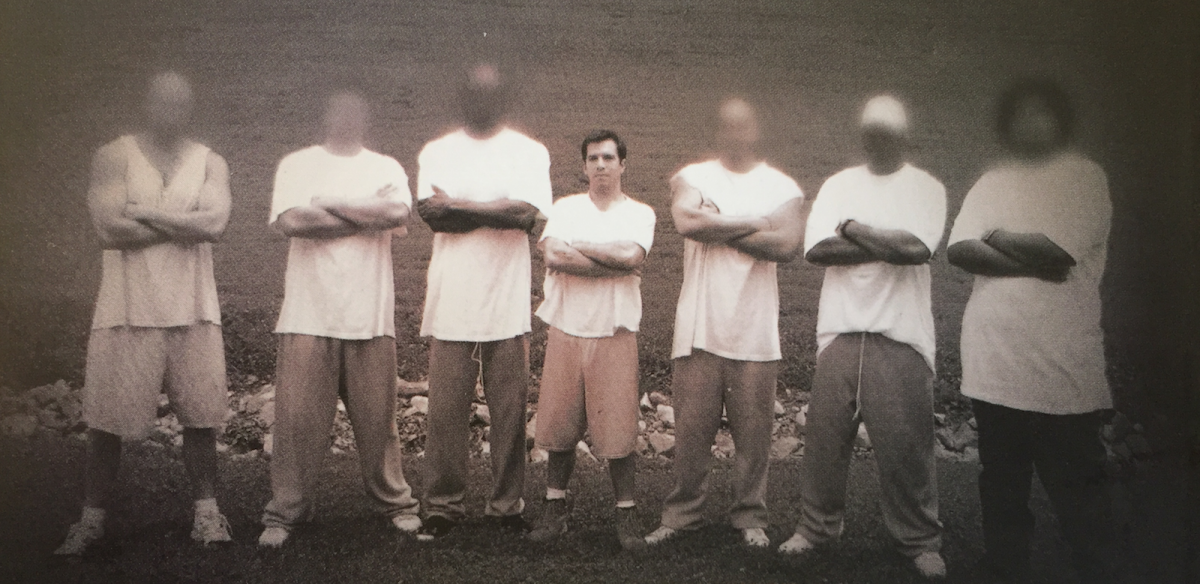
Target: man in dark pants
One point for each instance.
(1034, 231)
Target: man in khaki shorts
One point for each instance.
(339, 204)
(157, 199)
(594, 244)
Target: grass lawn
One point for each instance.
(148, 531)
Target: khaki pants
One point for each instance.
(453, 371)
(891, 385)
(702, 383)
(310, 373)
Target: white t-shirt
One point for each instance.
(595, 307)
(1027, 343)
(479, 282)
(879, 297)
(729, 301)
(340, 288)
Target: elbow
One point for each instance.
(818, 258)
(910, 255)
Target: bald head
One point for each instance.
(483, 99)
(168, 102)
(884, 126)
(345, 119)
(737, 129)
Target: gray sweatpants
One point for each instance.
(891, 387)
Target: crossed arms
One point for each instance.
(446, 214)
(774, 238)
(330, 217)
(593, 260)
(1005, 254)
(128, 226)
(857, 243)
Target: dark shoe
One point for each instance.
(435, 527)
(515, 523)
(553, 521)
(629, 529)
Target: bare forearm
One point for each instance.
(370, 213)
(562, 257)
(708, 227)
(620, 255)
(127, 234)
(498, 214)
(186, 227)
(893, 246)
(314, 223)
(982, 259)
(1032, 249)
(839, 251)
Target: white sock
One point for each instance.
(552, 494)
(92, 516)
(626, 504)
(206, 505)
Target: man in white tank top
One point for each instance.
(339, 203)
(739, 217)
(157, 200)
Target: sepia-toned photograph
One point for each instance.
(633, 291)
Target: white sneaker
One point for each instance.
(210, 527)
(796, 545)
(273, 537)
(663, 533)
(756, 537)
(930, 565)
(407, 523)
(79, 536)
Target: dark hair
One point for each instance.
(598, 136)
(1049, 93)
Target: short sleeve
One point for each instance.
(976, 216)
(642, 227)
(289, 191)
(399, 179)
(427, 171)
(825, 216)
(1082, 222)
(557, 222)
(534, 185)
(928, 210)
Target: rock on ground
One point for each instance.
(784, 446)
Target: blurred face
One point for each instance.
(1034, 128)
(603, 164)
(169, 103)
(345, 119)
(883, 146)
(483, 101)
(738, 128)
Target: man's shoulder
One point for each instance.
(304, 154)
(777, 177)
(638, 207)
(699, 171)
(923, 178)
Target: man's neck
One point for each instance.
(168, 142)
(740, 162)
(340, 148)
(604, 198)
(478, 133)
(885, 168)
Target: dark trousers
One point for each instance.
(1069, 459)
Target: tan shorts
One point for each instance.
(589, 384)
(128, 367)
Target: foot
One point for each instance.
(273, 537)
(409, 524)
(553, 521)
(629, 529)
(514, 523)
(930, 565)
(796, 545)
(755, 537)
(435, 527)
(660, 535)
(79, 537)
(210, 527)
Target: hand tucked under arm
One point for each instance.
(697, 221)
(619, 255)
(562, 257)
(313, 223)
(375, 213)
(206, 223)
(436, 212)
(106, 203)
(782, 241)
(1031, 249)
(894, 246)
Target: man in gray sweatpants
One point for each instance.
(875, 227)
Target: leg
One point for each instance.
(897, 408)
(506, 388)
(1006, 454)
(559, 469)
(369, 371)
(750, 406)
(561, 418)
(103, 462)
(306, 386)
(622, 473)
(452, 376)
(829, 440)
(200, 459)
(196, 387)
(699, 392)
(1070, 463)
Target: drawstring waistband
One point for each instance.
(862, 347)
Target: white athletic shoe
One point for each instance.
(663, 533)
(756, 537)
(273, 537)
(79, 536)
(210, 527)
(796, 545)
(930, 565)
(407, 523)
